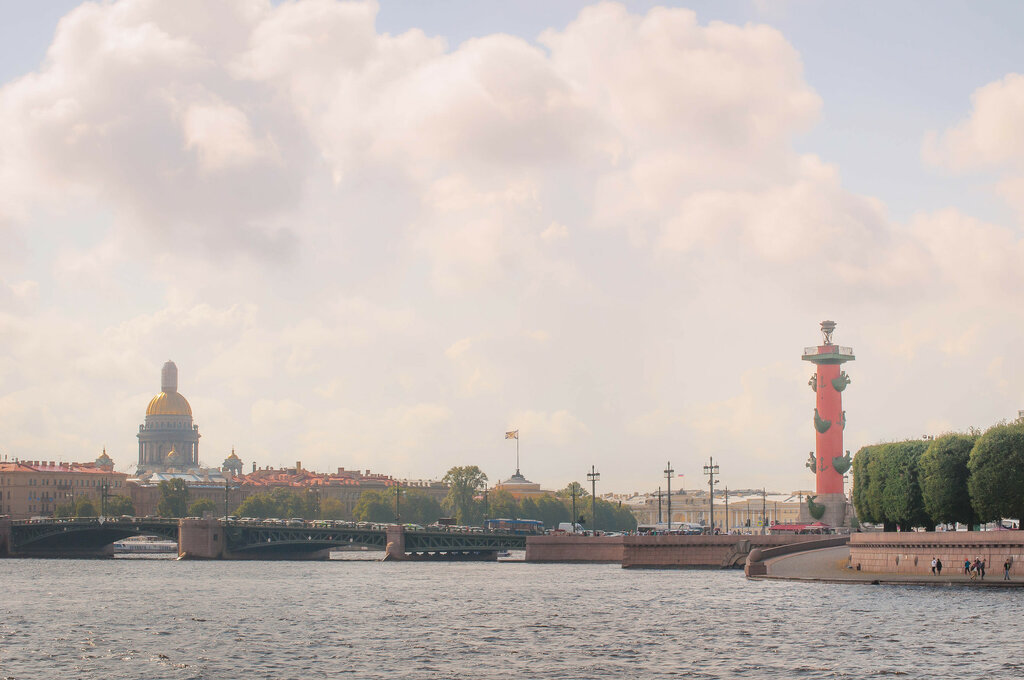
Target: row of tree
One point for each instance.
(83, 506)
(467, 501)
(966, 478)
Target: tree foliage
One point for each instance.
(200, 506)
(902, 503)
(173, 498)
(332, 508)
(375, 506)
(464, 484)
(281, 503)
(119, 505)
(862, 484)
(943, 478)
(567, 491)
(82, 506)
(996, 465)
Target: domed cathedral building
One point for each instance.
(168, 440)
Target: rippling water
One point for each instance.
(158, 618)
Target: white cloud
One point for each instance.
(367, 250)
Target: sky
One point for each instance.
(378, 236)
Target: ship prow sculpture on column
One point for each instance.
(829, 504)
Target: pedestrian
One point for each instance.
(967, 567)
(981, 567)
(933, 566)
(938, 566)
(1006, 569)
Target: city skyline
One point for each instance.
(378, 237)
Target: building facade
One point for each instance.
(36, 488)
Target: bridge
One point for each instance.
(247, 539)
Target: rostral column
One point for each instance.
(828, 462)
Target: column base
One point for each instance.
(837, 511)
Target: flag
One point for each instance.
(514, 434)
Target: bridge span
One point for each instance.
(250, 539)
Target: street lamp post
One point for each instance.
(487, 509)
(764, 511)
(726, 510)
(593, 476)
(104, 487)
(572, 487)
(398, 506)
(227, 486)
(659, 505)
(668, 475)
(711, 470)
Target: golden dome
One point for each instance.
(168, 404)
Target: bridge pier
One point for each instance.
(5, 536)
(395, 542)
(200, 539)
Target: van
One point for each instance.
(570, 528)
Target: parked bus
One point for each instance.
(515, 526)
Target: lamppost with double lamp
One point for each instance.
(593, 476)
(398, 507)
(104, 488)
(711, 470)
(668, 475)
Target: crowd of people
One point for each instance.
(974, 570)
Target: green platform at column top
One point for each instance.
(828, 354)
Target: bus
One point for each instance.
(519, 527)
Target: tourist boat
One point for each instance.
(145, 544)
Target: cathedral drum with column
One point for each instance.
(168, 440)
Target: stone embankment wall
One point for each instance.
(697, 551)
(912, 552)
(574, 548)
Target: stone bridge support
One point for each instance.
(201, 539)
(5, 536)
(395, 543)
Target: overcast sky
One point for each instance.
(379, 236)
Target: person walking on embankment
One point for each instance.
(938, 566)
(981, 568)
(934, 560)
(967, 567)
(1006, 569)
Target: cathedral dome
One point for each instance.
(168, 404)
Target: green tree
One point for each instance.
(198, 507)
(332, 508)
(902, 503)
(528, 509)
(552, 511)
(375, 506)
(862, 484)
(502, 505)
(996, 466)
(120, 505)
(173, 498)
(419, 507)
(943, 479)
(567, 491)
(258, 505)
(876, 474)
(464, 484)
(81, 506)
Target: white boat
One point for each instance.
(145, 544)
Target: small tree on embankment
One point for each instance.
(943, 477)
(996, 465)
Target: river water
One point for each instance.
(360, 618)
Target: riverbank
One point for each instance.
(830, 565)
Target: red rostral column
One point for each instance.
(829, 417)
